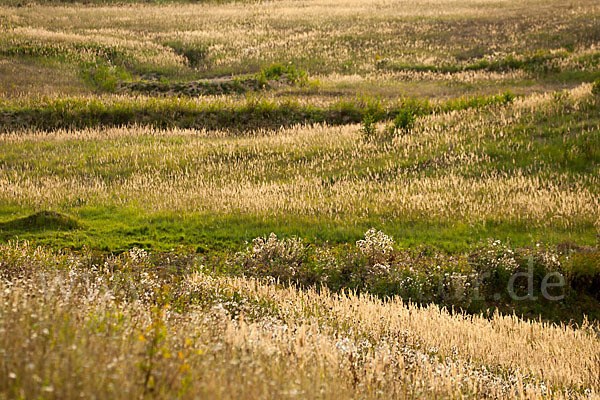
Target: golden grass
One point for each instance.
(437, 173)
(347, 38)
(119, 328)
(81, 325)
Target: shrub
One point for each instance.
(104, 77)
(269, 256)
(404, 121)
(278, 71)
(376, 246)
(368, 129)
(507, 97)
(496, 262)
(373, 265)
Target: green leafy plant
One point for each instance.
(404, 121)
(368, 128)
(279, 71)
(104, 77)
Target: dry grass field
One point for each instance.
(76, 326)
(388, 48)
(300, 199)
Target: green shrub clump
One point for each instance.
(403, 122)
(279, 71)
(104, 77)
(368, 128)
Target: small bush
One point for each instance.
(507, 97)
(376, 246)
(404, 121)
(279, 71)
(269, 256)
(104, 77)
(368, 128)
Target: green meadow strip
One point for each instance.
(181, 112)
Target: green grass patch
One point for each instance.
(115, 229)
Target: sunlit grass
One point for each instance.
(461, 44)
(136, 326)
(375, 149)
(508, 165)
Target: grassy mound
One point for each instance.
(41, 221)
